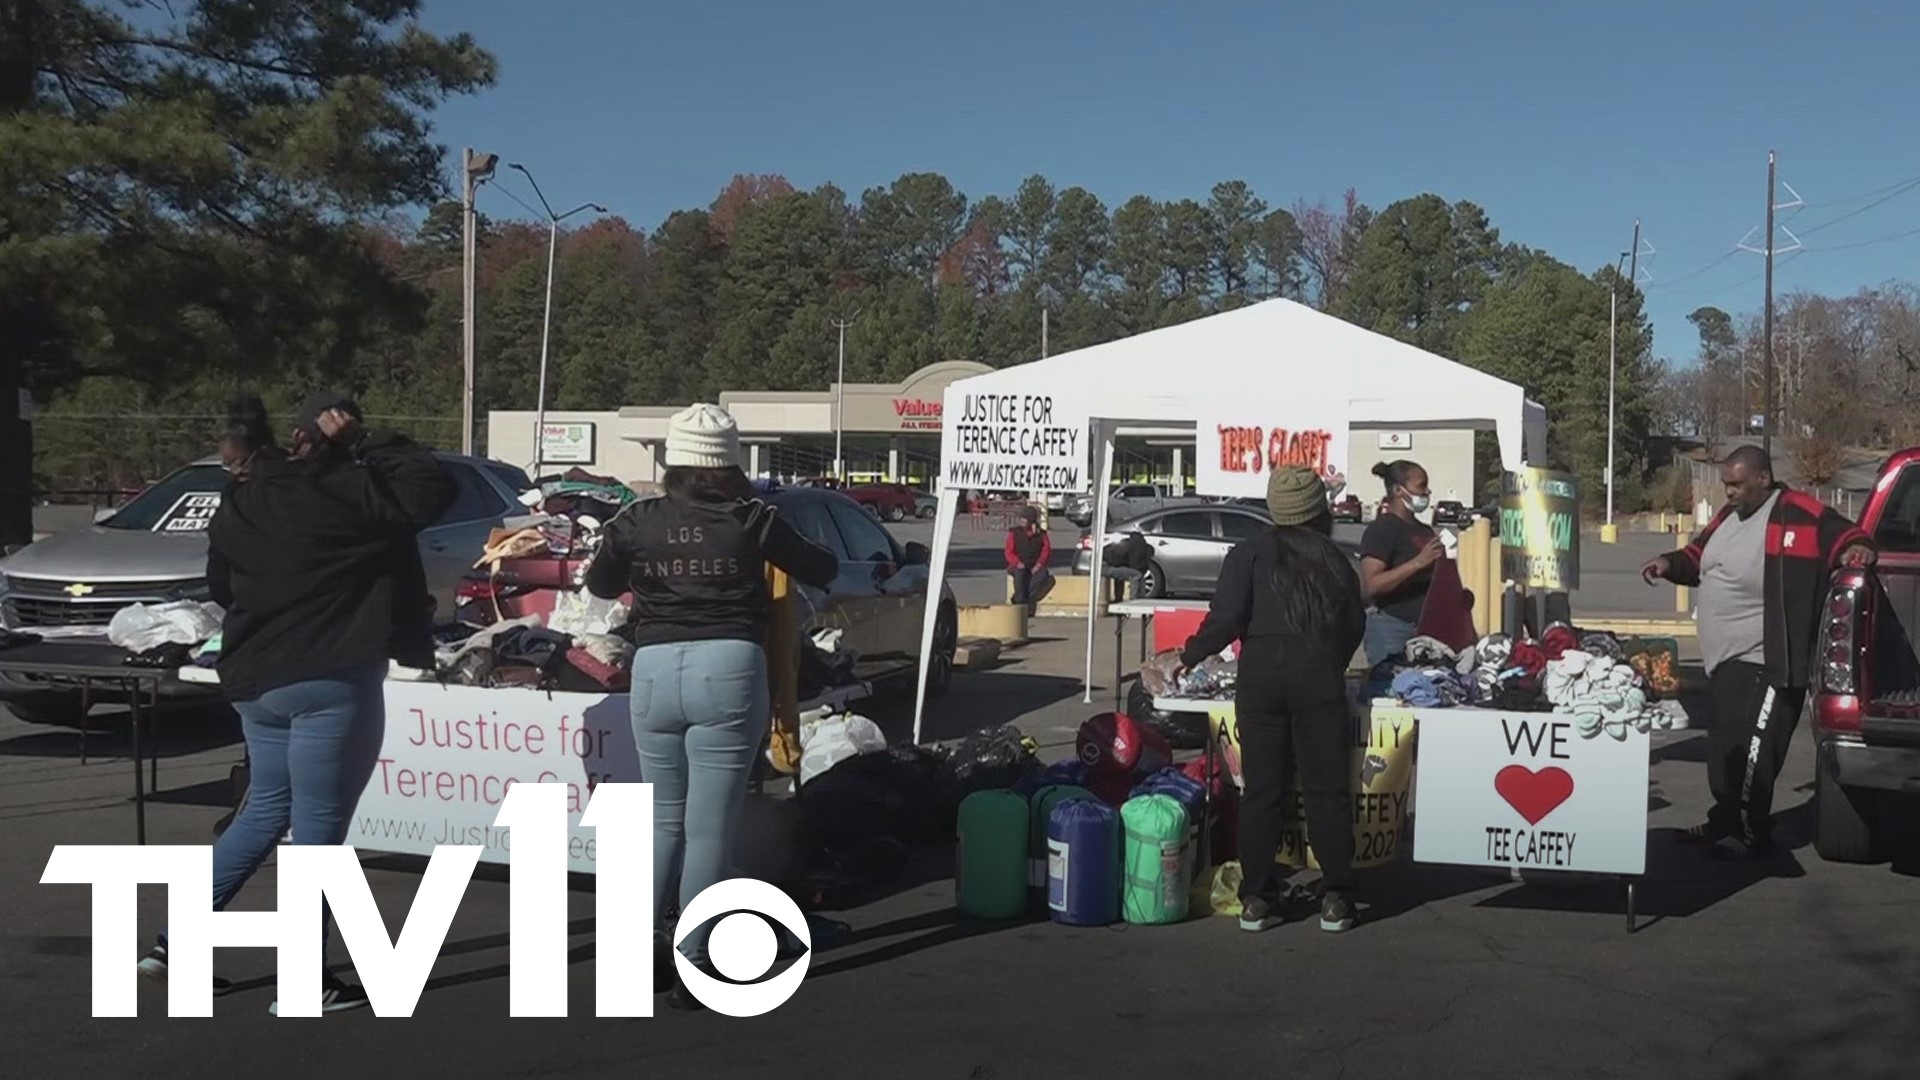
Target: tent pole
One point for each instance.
(949, 500)
(1103, 438)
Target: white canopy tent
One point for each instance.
(1181, 375)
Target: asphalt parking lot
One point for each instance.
(1793, 969)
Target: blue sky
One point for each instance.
(1565, 122)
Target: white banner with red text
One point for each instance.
(1236, 450)
(451, 752)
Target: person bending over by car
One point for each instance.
(1397, 555)
(315, 558)
(694, 560)
(1290, 596)
(1028, 551)
(1126, 562)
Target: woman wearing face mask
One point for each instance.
(1397, 556)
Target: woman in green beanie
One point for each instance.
(1292, 599)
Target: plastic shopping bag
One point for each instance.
(141, 627)
(828, 741)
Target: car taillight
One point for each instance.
(1839, 647)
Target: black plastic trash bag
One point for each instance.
(773, 843)
(1182, 730)
(988, 759)
(892, 792)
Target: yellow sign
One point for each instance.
(1382, 785)
(79, 589)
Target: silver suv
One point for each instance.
(153, 550)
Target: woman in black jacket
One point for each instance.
(1291, 597)
(695, 562)
(313, 555)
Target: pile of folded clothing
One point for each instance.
(524, 653)
(1605, 695)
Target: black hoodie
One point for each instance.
(317, 565)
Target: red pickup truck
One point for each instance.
(1866, 693)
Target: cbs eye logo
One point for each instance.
(742, 947)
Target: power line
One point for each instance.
(1691, 274)
(1882, 200)
(1865, 243)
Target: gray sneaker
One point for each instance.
(1336, 915)
(1258, 914)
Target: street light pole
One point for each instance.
(839, 397)
(476, 169)
(1608, 534)
(546, 322)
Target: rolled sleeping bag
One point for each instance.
(1039, 812)
(1158, 859)
(1083, 864)
(990, 863)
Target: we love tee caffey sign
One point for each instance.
(1526, 790)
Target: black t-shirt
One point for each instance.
(1394, 541)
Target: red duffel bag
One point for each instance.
(1115, 744)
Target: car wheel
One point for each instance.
(1845, 819)
(946, 642)
(1153, 582)
(896, 514)
(926, 512)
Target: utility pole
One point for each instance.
(1769, 249)
(839, 398)
(1608, 532)
(476, 169)
(1044, 313)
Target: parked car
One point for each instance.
(1348, 508)
(877, 602)
(1190, 543)
(925, 504)
(1451, 512)
(894, 502)
(153, 550)
(1865, 698)
(1129, 501)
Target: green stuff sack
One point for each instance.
(1158, 861)
(990, 864)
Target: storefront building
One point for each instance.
(892, 434)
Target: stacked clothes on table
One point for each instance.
(1586, 675)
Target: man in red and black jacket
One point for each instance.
(1762, 567)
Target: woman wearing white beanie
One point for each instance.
(695, 561)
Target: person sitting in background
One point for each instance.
(1028, 551)
(1126, 562)
(1397, 555)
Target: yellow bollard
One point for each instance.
(1682, 599)
(1609, 533)
(1472, 551)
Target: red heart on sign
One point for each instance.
(1534, 794)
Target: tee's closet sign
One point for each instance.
(1006, 441)
(1235, 452)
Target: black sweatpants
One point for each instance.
(1753, 723)
(1292, 710)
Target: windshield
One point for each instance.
(184, 502)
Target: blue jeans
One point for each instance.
(1387, 636)
(700, 714)
(312, 747)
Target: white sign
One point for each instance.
(452, 752)
(1396, 440)
(567, 443)
(1526, 790)
(1234, 454)
(190, 514)
(395, 971)
(996, 441)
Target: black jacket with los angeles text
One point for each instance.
(697, 571)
